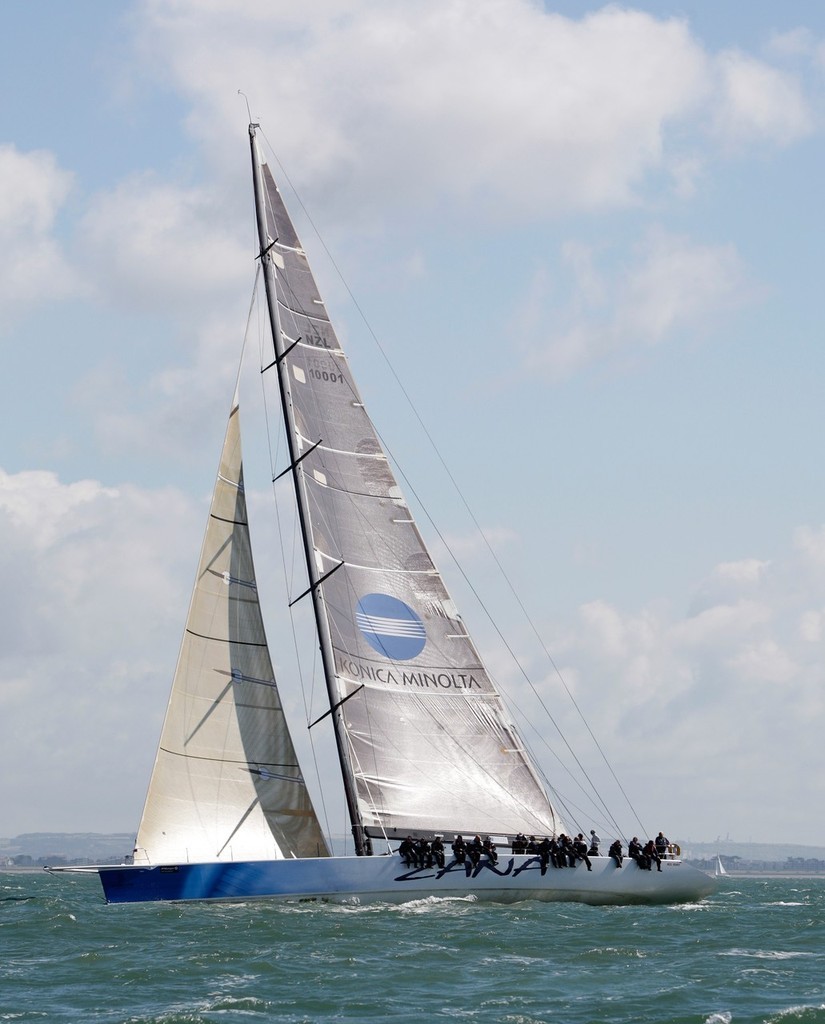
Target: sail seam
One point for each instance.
(289, 248)
(346, 451)
(385, 569)
(232, 483)
(360, 494)
(314, 348)
(305, 315)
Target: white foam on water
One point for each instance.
(769, 954)
(806, 1014)
(428, 902)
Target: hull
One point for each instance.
(386, 880)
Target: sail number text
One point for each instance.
(319, 373)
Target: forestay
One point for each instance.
(226, 783)
(427, 737)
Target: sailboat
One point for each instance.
(424, 743)
(719, 868)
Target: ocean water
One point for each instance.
(753, 952)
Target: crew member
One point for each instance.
(580, 849)
(634, 851)
(651, 854)
(437, 850)
(407, 851)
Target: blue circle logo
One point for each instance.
(390, 627)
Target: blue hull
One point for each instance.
(185, 882)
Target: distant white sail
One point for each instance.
(226, 783)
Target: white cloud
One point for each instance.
(173, 255)
(793, 42)
(811, 543)
(90, 622)
(765, 662)
(812, 626)
(473, 545)
(151, 243)
(497, 100)
(676, 282)
(798, 42)
(728, 698)
(670, 283)
(32, 265)
(38, 503)
(758, 103)
(177, 407)
(747, 570)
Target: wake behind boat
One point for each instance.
(424, 743)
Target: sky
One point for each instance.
(589, 242)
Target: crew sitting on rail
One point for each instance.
(423, 854)
(568, 850)
(437, 851)
(474, 849)
(651, 854)
(407, 851)
(560, 851)
(580, 848)
(634, 851)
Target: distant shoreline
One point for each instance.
(19, 871)
(773, 874)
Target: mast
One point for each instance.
(362, 846)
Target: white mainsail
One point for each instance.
(424, 738)
(226, 785)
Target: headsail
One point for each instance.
(226, 783)
(428, 744)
